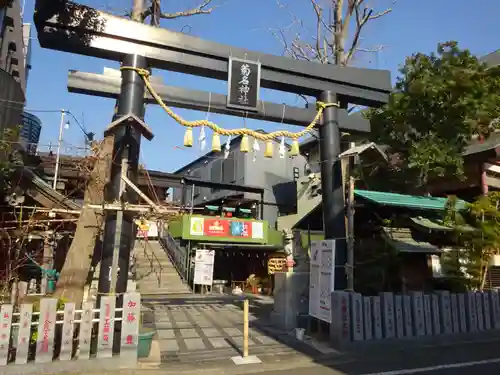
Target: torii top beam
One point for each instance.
(83, 30)
(108, 86)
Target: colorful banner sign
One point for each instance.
(225, 228)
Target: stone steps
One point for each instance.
(148, 274)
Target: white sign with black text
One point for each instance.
(204, 267)
(322, 276)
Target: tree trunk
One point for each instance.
(137, 9)
(74, 273)
(484, 275)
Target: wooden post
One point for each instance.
(245, 328)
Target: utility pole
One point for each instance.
(331, 186)
(350, 222)
(58, 154)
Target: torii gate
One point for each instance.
(83, 30)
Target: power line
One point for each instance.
(89, 135)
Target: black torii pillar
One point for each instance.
(127, 141)
(331, 186)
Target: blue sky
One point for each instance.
(412, 26)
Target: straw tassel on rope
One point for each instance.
(244, 132)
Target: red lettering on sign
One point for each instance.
(130, 317)
(129, 340)
(131, 304)
(46, 329)
(107, 319)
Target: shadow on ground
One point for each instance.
(292, 355)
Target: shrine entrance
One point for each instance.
(83, 30)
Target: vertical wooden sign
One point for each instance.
(85, 336)
(377, 317)
(398, 316)
(106, 327)
(408, 321)
(24, 336)
(471, 309)
(46, 330)
(436, 322)
(388, 315)
(479, 310)
(486, 311)
(5, 326)
(368, 318)
(67, 332)
(428, 315)
(454, 313)
(130, 324)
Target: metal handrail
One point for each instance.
(151, 263)
(174, 252)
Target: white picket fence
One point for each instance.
(17, 329)
(390, 316)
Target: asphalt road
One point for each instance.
(470, 358)
(455, 358)
(482, 369)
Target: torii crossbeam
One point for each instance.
(79, 29)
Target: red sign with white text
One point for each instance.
(216, 228)
(227, 228)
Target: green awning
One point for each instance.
(402, 240)
(439, 225)
(409, 201)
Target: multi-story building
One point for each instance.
(29, 136)
(276, 175)
(27, 48)
(12, 66)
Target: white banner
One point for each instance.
(204, 267)
(322, 279)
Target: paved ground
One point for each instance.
(451, 356)
(203, 333)
(194, 329)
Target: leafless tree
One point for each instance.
(338, 25)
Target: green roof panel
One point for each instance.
(403, 200)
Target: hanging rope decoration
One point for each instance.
(269, 138)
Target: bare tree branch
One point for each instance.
(200, 9)
(337, 34)
(203, 8)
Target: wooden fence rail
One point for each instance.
(46, 335)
